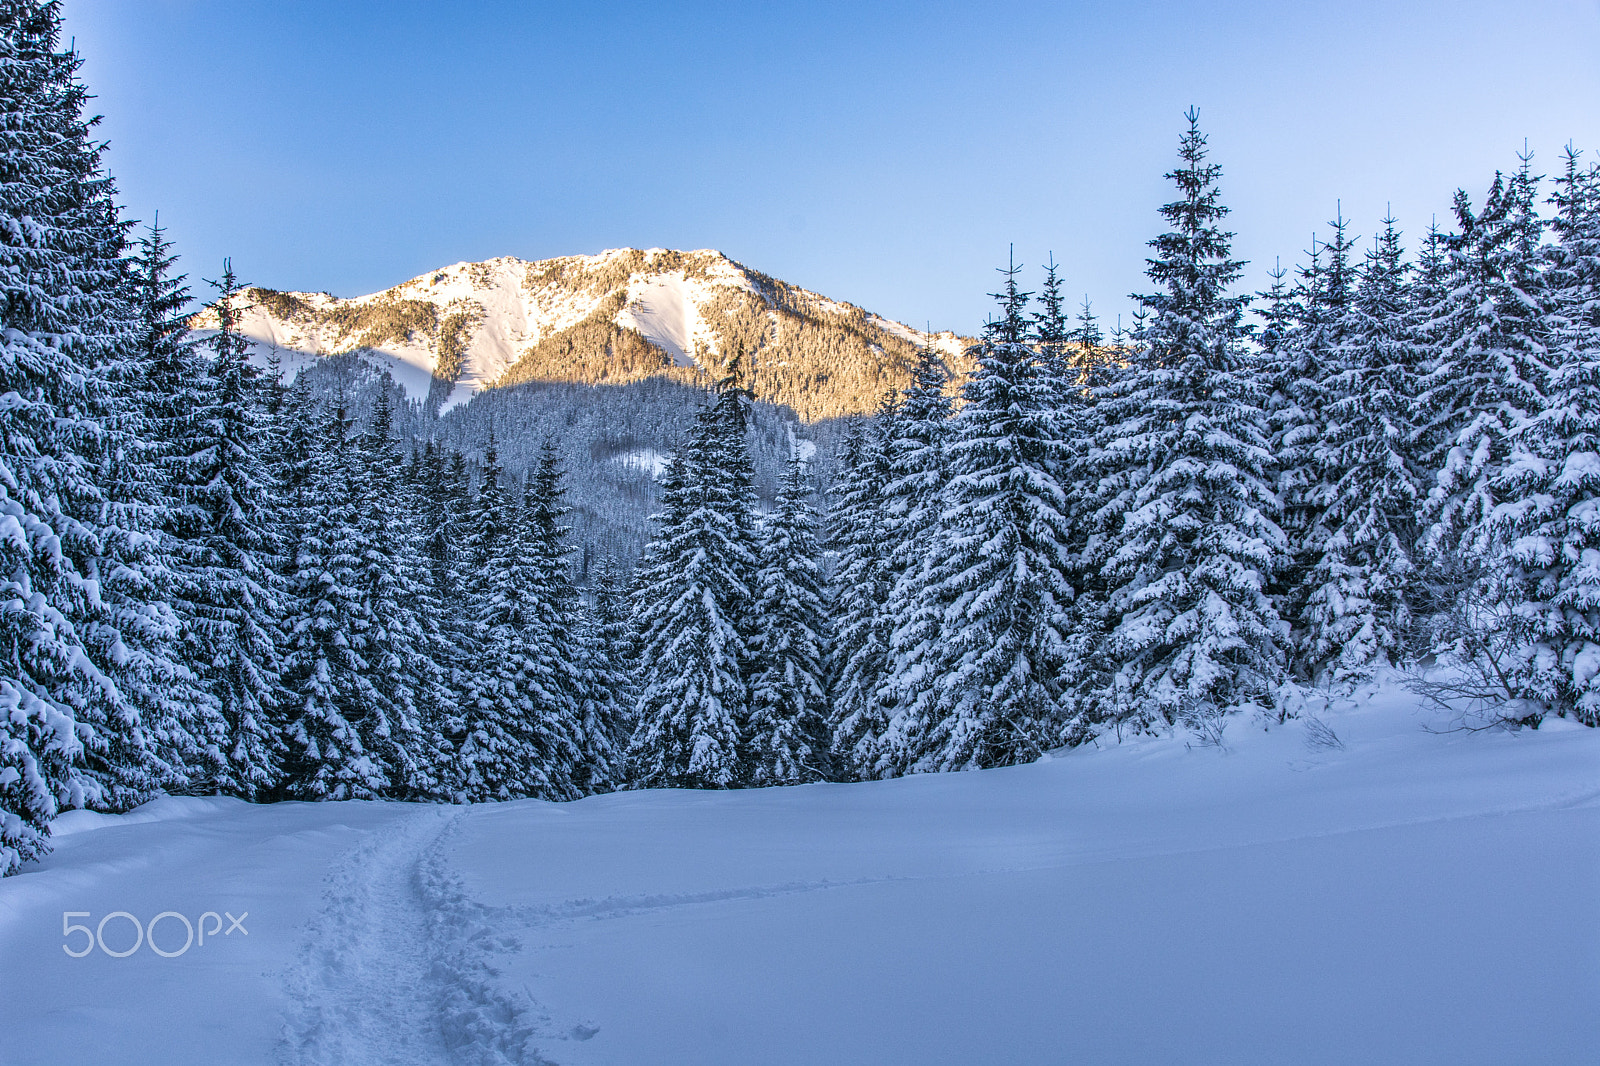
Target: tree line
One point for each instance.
(1396, 466)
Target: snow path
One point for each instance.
(392, 970)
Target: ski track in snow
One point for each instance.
(395, 968)
(534, 918)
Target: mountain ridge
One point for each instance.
(621, 316)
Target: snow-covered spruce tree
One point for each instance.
(1276, 311)
(68, 736)
(401, 645)
(497, 752)
(787, 737)
(1087, 347)
(1356, 608)
(1305, 362)
(858, 534)
(1051, 334)
(692, 605)
(522, 717)
(443, 489)
(1492, 368)
(1094, 490)
(1068, 358)
(339, 732)
(1549, 491)
(557, 610)
(133, 631)
(610, 692)
(1076, 366)
(1185, 460)
(1491, 375)
(991, 695)
(917, 434)
(207, 422)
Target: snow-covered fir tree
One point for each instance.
(1548, 514)
(443, 492)
(1305, 362)
(787, 739)
(498, 743)
(910, 613)
(135, 569)
(609, 693)
(692, 608)
(988, 695)
(1492, 367)
(68, 735)
(556, 606)
(1087, 346)
(522, 717)
(397, 635)
(340, 734)
(1051, 333)
(860, 587)
(207, 420)
(1356, 608)
(1184, 463)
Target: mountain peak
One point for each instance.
(622, 315)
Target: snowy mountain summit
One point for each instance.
(621, 316)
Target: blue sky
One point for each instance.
(882, 153)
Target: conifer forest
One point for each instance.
(224, 579)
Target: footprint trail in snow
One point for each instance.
(394, 968)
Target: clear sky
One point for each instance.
(881, 153)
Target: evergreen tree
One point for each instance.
(1088, 346)
(692, 608)
(68, 735)
(1357, 607)
(578, 755)
(609, 693)
(497, 748)
(443, 490)
(787, 740)
(208, 421)
(521, 720)
(137, 637)
(1051, 335)
(1549, 514)
(1493, 366)
(397, 636)
(340, 736)
(861, 584)
(999, 570)
(1184, 462)
(1308, 360)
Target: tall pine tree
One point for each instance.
(1549, 491)
(989, 693)
(68, 735)
(692, 608)
(787, 738)
(1357, 605)
(1185, 462)
(226, 592)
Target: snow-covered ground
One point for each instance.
(1410, 898)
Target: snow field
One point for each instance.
(1413, 898)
